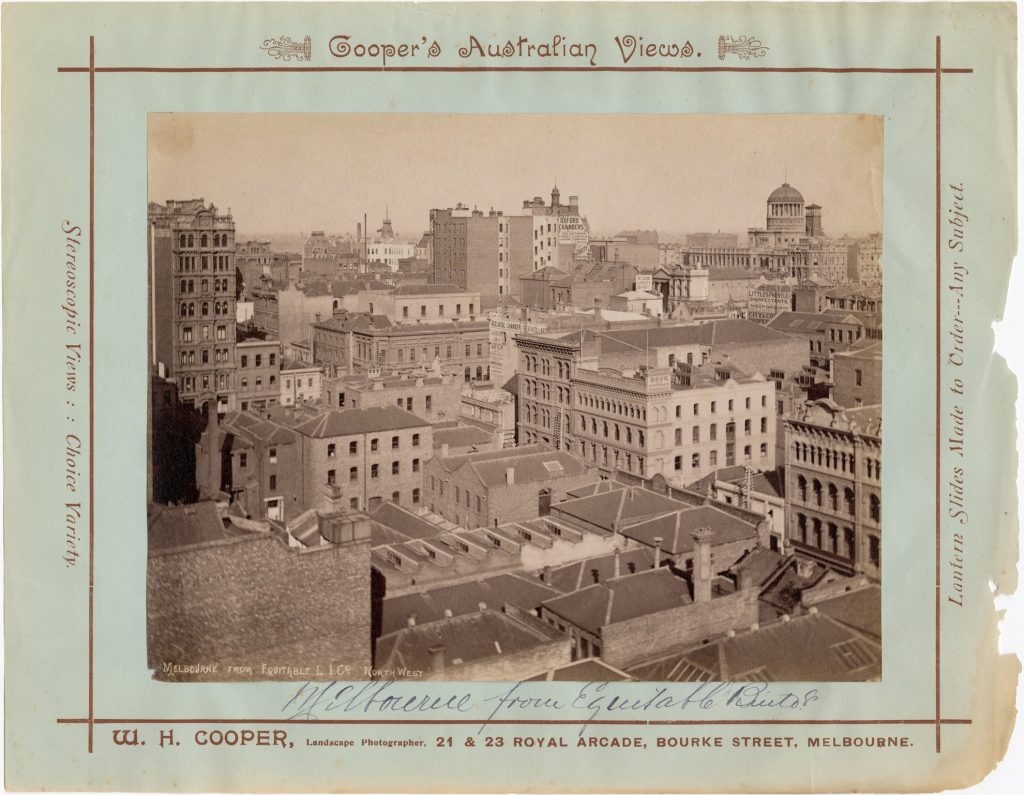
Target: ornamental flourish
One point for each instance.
(284, 49)
(746, 47)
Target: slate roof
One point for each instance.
(860, 610)
(799, 322)
(580, 573)
(621, 599)
(403, 522)
(711, 333)
(523, 592)
(534, 462)
(675, 529)
(809, 648)
(247, 426)
(461, 436)
(427, 289)
(592, 669)
(345, 422)
(465, 639)
(618, 506)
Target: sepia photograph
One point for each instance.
(514, 397)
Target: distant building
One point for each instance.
(300, 382)
(857, 376)
(259, 365)
(492, 408)
(639, 301)
(288, 314)
(767, 299)
(435, 398)
(711, 240)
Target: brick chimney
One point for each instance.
(657, 551)
(510, 476)
(410, 620)
(437, 659)
(702, 574)
(618, 562)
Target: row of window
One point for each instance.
(827, 537)
(204, 333)
(258, 360)
(440, 311)
(353, 472)
(221, 356)
(543, 366)
(396, 443)
(542, 390)
(189, 383)
(188, 286)
(189, 241)
(838, 460)
(188, 308)
(815, 493)
(187, 264)
(366, 351)
(612, 406)
(695, 458)
(730, 406)
(730, 430)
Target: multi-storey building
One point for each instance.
(435, 398)
(253, 259)
(298, 459)
(203, 296)
(416, 304)
(300, 381)
(834, 485)
(287, 314)
(362, 343)
(680, 424)
(767, 299)
(857, 376)
(259, 365)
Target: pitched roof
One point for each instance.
(591, 669)
(860, 610)
(461, 436)
(710, 333)
(346, 422)
(621, 599)
(676, 529)
(464, 639)
(403, 522)
(427, 289)
(612, 508)
(429, 605)
(534, 462)
(809, 648)
(580, 573)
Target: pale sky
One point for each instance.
(286, 173)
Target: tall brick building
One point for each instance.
(834, 485)
(203, 288)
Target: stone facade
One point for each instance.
(245, 603)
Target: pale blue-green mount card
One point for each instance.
(895, 122)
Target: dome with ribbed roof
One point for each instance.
(785, 193)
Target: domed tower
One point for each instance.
(555, 196)
(786, 217)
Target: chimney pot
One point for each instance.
(657, 551)
(482, 606)
(510, 476)
(410, 620)
(447, 612)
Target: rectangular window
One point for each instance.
(415, 496)
(695, 461)
(273, 359)
(242, 460)
(394, 442)
(354, 503)
(440, 310)
(375, 471)
(746, 452)
(396, 496)
(449, 352)
(415, 465)
(259, 360)
(713, 431)
(272, 482)
(859, 377)
(479, 349)
(713, 458)
(353, 448)
(678, 462)
(714, 406)
(331, 450)
(353, 473)
(764, 425)
(679, 411)
(696, 433)
(416, 439)
(273, 455)
(679, 436)
(764, 450)
(467, 351)
(696, 409)
(746, 427)
(405, 311)
(331, 477)
(394, 468)
(373, 445)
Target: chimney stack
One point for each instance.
(702, 574)
(482, 606)
(447, 612)
(657, 551)
(510, 476)
(437, 661)
(618, 562)
(545, 574)
(410, 620)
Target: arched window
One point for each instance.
(817, 492)
(181, 241)
(191, 309)
(801, 526)
(801, 485)
(875, 508)
(833, 497)
(848, 500)
(191, 241)
(468, 375)
(203, 241)
(479, 374)
(205, 309)
(184, 310)
(616, 431)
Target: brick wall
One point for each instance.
(252, 601)
(629, 642)
(846, 391)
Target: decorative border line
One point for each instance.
(938, 70)
(512, 722)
